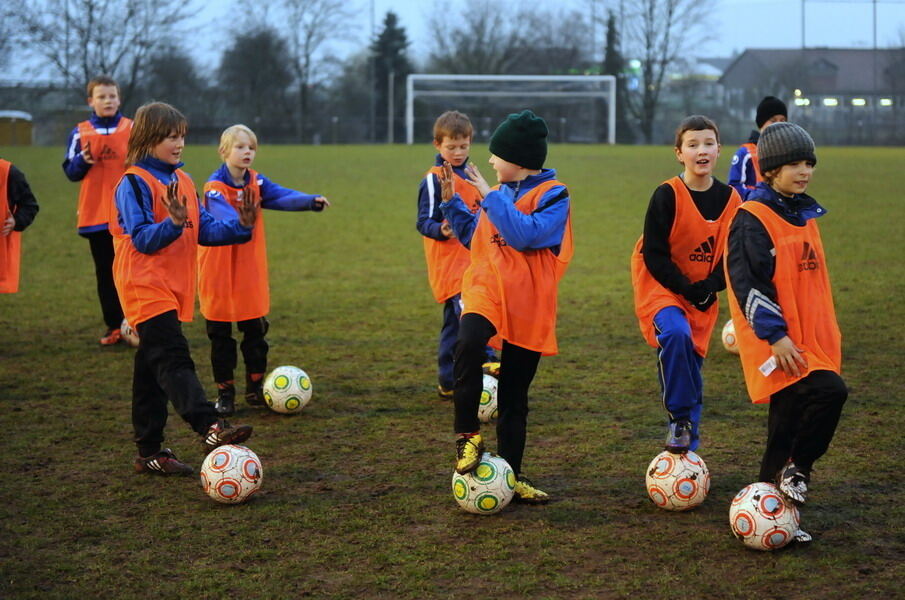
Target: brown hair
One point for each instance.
(696, 123)
(229, 135)
(101, 80)
(452, 124)
(154, 122)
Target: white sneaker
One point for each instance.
(793, 482)
(802, 537)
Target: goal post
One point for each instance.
(580, 101)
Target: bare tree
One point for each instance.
(308, 25)
(655, 31)
(84, 38)
(478, 40)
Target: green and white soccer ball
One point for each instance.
(287, 389)
(677, 481)
(730, 340)
(486, 490)
(487, 410)
(231, 474)
(762, 518)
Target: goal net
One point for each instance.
(577, 108)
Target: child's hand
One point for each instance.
(447, 182)
(789, 356)
(476, 179)
(175, 204)
(321, 202)
(86, 154)
(7, 227)
(447, 230)
(248, 209)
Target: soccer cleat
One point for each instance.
(526, 493)
(222, 433)
(802, 537)
(678, 439)
(254, 390)
(226, 399)
(491, 368)
(112, 337)
(469, 450)
(162, 463)
(793, 483)
(444, 393)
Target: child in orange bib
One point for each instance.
(158, 226)
(233, 285)
(446, 258)
(18, 208)
(521, 245)
(677, 271)
(96, 156)
(782, 307)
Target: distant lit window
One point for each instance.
(831, 102)
(859, 102)
(802, 102)
(885, 101)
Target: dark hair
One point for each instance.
(154, 122)
(696, 123)
(101, 80)
(452, 124)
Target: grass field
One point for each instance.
(356, 500)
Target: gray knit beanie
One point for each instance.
(782, 143)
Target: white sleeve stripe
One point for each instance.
(757, 299)
(743, 177)
(430, 194)
(72, 152)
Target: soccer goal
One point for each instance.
(577, 108)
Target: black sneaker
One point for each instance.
(222, 433)
(254, 392)
(226, 400)
(162, 463)
(793, 483)
(678, 439)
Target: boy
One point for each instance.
(158, 225)
(782, 306)
(744, 172)
(18, 208)
(677, 271)
(232, 280)
(446, 258)
(96, 156)
(521, 245)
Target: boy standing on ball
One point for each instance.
(782, 306)
(521, 245)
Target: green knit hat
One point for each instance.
(521, 139)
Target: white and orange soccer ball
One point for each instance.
(730, 341)
(231, 474)
(487, 410)
(762, 517)
(128, 333)
(486, 490)
(677, 481)
(287, 389)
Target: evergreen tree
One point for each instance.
(614, 64)
(389, 54)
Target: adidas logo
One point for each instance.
(107, 153)
(704, 252)
(808, 259)
(498, 240)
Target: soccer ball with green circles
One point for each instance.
(487, 409)
(487, 489)
(287, 389)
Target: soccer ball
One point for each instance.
(487, 410)
(287, 389)
(730, 341)
(130, 336)
(677, 481)
(231, 474)
(762, 518)
(487, 489)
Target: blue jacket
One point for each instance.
(751, 261)
(742, 175)
(543, 228)
(74, 165)
(273, 196)
(430, 217)
(136, 215)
